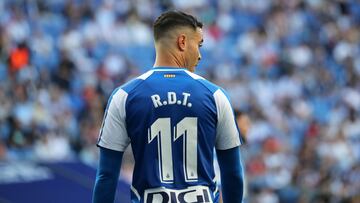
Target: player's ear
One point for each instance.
(181, 42)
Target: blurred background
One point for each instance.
(291, 66)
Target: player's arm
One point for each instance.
(230, 174)
(113, 140)
(227, 149)
(107, 176)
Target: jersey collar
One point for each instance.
(168, 68)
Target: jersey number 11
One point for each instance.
(161, 129)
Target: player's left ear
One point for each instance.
(181, 42)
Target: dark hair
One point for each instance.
(172, 19)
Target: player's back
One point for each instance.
(171, 118)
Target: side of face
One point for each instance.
(189, 44)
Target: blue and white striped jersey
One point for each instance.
(173, 119)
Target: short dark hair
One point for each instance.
(172, 19)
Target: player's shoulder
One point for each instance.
(212, 87)
(134, 83)
(122, 92)
(218, 92)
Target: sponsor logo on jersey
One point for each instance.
(198, 194)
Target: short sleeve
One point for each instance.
(113, 133)
(227, 133)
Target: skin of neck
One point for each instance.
(168, 56)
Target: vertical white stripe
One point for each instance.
(227, 134)
(191, 149)
(114, 121)
(188, 128)
(162, 130)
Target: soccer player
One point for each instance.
(173, 119)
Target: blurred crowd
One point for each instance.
(292, 66)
